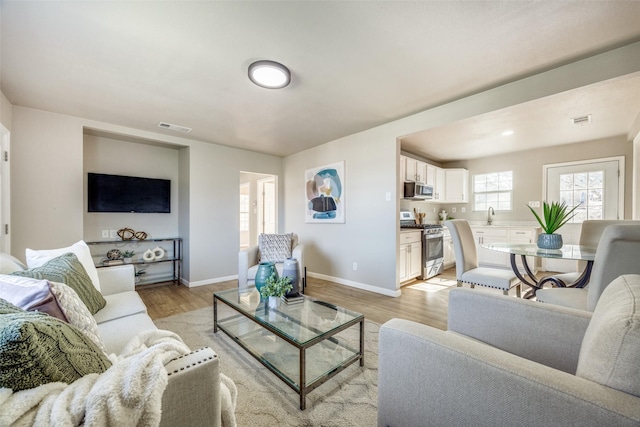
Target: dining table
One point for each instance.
(568, 252)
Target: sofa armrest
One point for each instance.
(247, 258)
(545, 333)
(192, 396)
(120, 278)
(431, 377)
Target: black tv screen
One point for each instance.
(117, 193)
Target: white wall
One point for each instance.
(47, 173)
(118, 157)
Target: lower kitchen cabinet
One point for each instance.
(448, 249)
(410, 260)
(508, 234)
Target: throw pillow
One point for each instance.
(274, 247)
(77, 313)
(30, 294)
(68, 270)
(37, 258)
(9, 264)
(610, 351)
(37, 349)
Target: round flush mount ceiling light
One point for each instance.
(269, 74)
(507, 133)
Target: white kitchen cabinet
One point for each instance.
(456, 185)
(430, 175)
(414, 170)
(498, 234)
(410, 260)
(487, 257)
(439, 188)
(448, 249)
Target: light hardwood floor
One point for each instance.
(424, 306)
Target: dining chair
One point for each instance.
(467, 267)
(617, 253)
(590, 234)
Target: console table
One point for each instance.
(147, 272)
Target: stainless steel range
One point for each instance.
(432, 245)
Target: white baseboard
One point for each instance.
(207, 281)
(358, 285)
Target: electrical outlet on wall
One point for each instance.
(355, 266)
(105, 234)
(534, 204)
(453, 210)
(463, 210)
(113, 234)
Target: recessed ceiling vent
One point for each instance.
(582, 120)
(176, 128)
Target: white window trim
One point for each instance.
(621, 174)
(473, 192)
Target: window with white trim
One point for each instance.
(585, 189)
(493, 190)
(244, 212)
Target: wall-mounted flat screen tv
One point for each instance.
(117, 193)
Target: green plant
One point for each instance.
(276, 286)
(555, 215)
(128, 254)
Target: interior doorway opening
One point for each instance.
(258, 207)
(5, 188)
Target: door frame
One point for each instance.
(260, 188)
(5, 190)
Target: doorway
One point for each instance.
(258, 207)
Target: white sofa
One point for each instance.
(192, 396)
(193, 393)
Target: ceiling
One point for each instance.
(355, 65)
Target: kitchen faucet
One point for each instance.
(489, 213)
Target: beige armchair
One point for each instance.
(248, 260)
(512, 362)
(617, 253)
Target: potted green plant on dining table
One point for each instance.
(555, 216)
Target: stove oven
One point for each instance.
(432, 244)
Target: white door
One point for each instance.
(596, 185)
(5, 237)
(267, 203)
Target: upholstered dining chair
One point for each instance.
(617, 253)
(590, 234)
(467, 268)
(271, 247)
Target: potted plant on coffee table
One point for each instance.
(555, 216)
(274, 288)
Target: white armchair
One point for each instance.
(248, 260)
(513, 362)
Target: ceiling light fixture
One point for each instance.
(507, 133)
(269, 74)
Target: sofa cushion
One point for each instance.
(610, 351)
(37, 349)
(37, 258)
(31, 295)
(67, 269)
(119, 305)
(9, 264)
(274, 247)
(118, 332)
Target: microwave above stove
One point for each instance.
(418, 190)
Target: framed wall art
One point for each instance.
(325, 196)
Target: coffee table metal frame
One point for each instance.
(302, 388)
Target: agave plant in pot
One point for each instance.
(555, 216)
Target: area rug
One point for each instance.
(348, 399)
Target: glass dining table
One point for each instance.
(568, 252)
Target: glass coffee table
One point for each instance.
(304, 343)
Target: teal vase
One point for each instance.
(549, 241)
(265, 270)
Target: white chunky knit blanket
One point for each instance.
(129, 393)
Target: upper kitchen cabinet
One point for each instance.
(456, 183)
(439, 187)
(414, 170)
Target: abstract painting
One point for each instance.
(324, 187)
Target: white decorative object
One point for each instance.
(148, 255)
(158, 252)
(274, 302)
